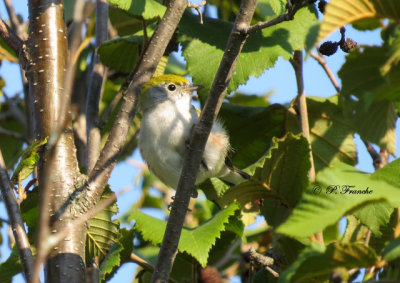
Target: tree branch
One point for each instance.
(15, 23)
(14, 214)
(142, 73)
(11, 38)
(198, 140)
(327, 70)
(297, 63)
(95, 88)
(292, 9)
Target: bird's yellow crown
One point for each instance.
(168, 78)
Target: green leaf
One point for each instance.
(250, 100)
(30, 212)
(287, 156)
(103, 231)
(331, 134)
(206, 43)
(174, 66)
(119, 253)
(326, 201)
(111, 260)
(374, 216)
(367, 24)
(12, 266)
(363, 75)
(251, 130)
(196, 242)
(392, 250)
(29, 158)
(147, 9)
(317, 261)
(11, 147)
(377, 124)
(121, 54)
(123, 22)
(370, 92)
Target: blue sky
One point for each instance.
(281, 79)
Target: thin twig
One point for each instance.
(376, 158)
(198, 139)
(228, 255)
(297, 63)
(14, 214)
(197, 8)
(281, 18)
(145, 265)
(15, 23)
(11, 38)
(321, 60)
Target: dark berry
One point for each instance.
(348, 45)
(328, 48)
(321, 6)
(209, 275)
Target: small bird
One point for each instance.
(167, 121)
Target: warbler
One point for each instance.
(167, 121)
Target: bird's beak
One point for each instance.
(194, 87)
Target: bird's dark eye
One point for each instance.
(172, 87)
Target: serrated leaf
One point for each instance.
(251, 130)
(29, 158)
(111, 260)
(147, 9)
(103, 231)
(326, 201)
(119, 254)
(331, 134)
(196, 242)
(315, 261)
(374, 216)
(206, 43)
(339, 13)
(288, 156)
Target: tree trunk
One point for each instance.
(59, 175)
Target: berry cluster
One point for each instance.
(329, 48)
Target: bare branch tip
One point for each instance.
(197, 7)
